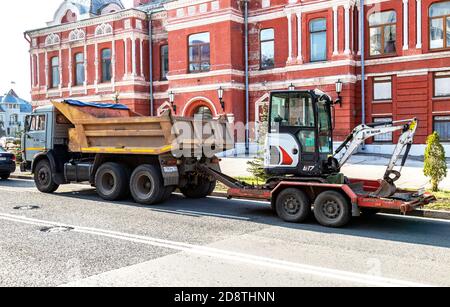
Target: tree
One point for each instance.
(435, 166)
(256, 166)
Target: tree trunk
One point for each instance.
(435, 186)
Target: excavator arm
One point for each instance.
(364, 132)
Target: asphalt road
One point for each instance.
(210, 242)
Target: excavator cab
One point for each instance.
(300, 136)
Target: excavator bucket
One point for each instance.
(386, 190)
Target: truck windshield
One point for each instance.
(292, 110)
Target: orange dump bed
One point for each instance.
(121, 131)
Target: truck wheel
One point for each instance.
(146, 185)
(203, 189)
(5, 176)
(293, 206)
(332, 209)
(43, 177)
(111, 181)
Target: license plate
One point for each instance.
(2, 159)
(170, 169)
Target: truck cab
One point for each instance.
(45, 132)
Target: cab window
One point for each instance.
(325, 127)
(36, 123)
(292, 110)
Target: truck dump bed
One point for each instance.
(114, 129)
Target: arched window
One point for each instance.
(383, 33)
(203, 112)
(79, 69)
(106, 65)
(318, 36)
(440, 25)
(103, 29)
(52, 39)
(55, 72)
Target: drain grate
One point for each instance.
(56, 229)
(28, 207)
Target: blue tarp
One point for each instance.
(96, 105)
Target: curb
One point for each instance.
(23, 177)
(432, 214)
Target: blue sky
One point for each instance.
(17, 17)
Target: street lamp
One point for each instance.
(220, 93)
(292, 87)
(172, 101)
(339, 86)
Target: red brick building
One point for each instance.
(97, 51)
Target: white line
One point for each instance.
(416, 218)
(215, 215)
(229, 255)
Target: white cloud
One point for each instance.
(16, 17)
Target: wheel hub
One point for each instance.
(292, 205)
(332, 210)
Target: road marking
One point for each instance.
(357, 278)
(215, 215)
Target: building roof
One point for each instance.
(12, 97)
(96, 6)
(153, 5)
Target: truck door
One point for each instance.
(291, 144)
(35, 136)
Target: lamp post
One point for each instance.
(220, 93)
(172, 101)
(339, 86)
(292, 87)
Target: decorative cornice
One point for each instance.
(130, 13)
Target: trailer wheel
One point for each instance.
(203, 189)
(43, 177)
(293, 206)
(111, 181)
(332, 209)
(146, 185)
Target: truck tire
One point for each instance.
(146, 185)
(111, 181)
(43, 177)
(203, 189)
(293, 206)
(332, 209)
(5, 176)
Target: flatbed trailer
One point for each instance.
(358, 196)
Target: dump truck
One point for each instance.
(121, 152)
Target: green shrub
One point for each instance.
(256, 168)
(435, 165)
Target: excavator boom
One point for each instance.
(364, 132)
